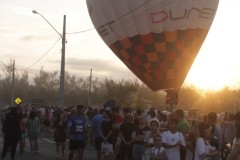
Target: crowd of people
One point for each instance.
(124, 134)
(137, 135)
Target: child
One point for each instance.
(158, 152)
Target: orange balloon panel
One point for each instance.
(157, 40)
(160, 60)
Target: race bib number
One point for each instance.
(79, 128)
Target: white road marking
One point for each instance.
(48, 140)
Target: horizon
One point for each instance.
(26, 37)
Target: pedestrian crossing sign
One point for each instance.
(18, 100)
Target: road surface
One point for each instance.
(47, 151)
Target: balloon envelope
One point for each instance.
(157, 40)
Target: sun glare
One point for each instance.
(207, 79)
(212, 73)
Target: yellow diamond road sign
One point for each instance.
(18, 100)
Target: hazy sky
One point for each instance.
(26, 37)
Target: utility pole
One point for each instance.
(13, 84)
(62, 74)
(90, 87)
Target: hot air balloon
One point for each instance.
(157, 40)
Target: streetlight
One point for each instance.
(62, 74)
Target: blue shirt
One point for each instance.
(96, 125)
(77, 124)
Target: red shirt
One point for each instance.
(117, 120)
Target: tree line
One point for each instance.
(126, 93)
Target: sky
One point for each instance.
(32, 43)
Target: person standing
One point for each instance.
(216, 137)
(191, 140)
(22, 142)
(96, 123)
(106, 127)
(33, 126)
(203, 149)
(138, 136)
(60, 134)
(117, 121)
(230, 132)
(182, 127)
(77, 133)
(125, 134)
(47, 121)
(154, 130)
(172, 139)
(235, 152)
(12, 132)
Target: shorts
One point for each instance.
(98, 141)
(76, 144)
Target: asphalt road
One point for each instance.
(47, 151)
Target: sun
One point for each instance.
(217, 63)
(206, 78)
(212, 73)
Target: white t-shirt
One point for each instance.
(148, 118)
(148, 139)
(42, 110)
(171, 139)
(202, 147)
(156, 151)
(235, 147)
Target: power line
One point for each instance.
(140, 14)
(3, 63)
(43, 55)
(22, 70)
(134, 9)
(7, 67)
(81, 31)
(79, 77)
(98, 77)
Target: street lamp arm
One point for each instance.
(35, 12)
(62, 74)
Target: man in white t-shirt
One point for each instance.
(171, 140)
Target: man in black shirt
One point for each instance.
(12, 132)
(125, 134)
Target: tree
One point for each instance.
(46, 85)
(6, 84)
(22, 87)
(126, 93)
